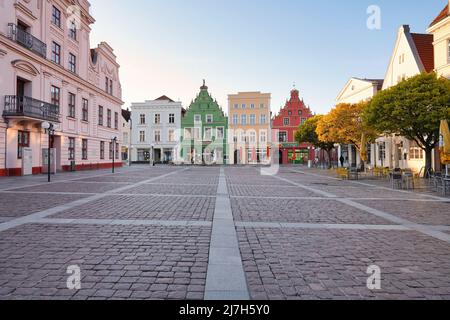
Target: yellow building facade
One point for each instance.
(249, 127)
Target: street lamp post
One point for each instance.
(50, 130)
(152, 155)
(113, 141)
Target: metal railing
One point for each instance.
(16, 106)
(27, 40)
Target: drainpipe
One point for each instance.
(6, 144)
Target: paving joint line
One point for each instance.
(127, 222)
(225, 278)
(429, 231)
(32, 218)
(329, 226)
(37, 184)
(371, 185)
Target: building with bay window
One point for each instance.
(49, 73)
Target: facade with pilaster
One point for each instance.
(51, 74)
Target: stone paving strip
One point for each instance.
(225, 278)
(52, 211)
(387, 216)
(281, 225)
(56, 179)
(157, 223)
(374, 186)
(348, 198)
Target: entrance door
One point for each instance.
(157, 155)
(236, 156)
(56, 144)
(280, 157)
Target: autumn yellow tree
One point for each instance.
(345, 125)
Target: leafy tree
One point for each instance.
(413, 109)
(307, 133)
(345, 124)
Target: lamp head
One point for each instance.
(45, 125)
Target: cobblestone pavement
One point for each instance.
(210, 232)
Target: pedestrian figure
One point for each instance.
(342, 161)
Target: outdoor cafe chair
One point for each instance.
(396, 179)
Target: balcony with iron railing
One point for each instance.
(27, 40)
(26, 107)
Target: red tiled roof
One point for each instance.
(424, 45)
(444, 14)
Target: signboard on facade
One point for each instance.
(27, 161)
(289, 145)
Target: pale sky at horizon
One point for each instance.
(166, 47)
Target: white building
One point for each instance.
(156, 128)
(412, 55)
(355, 91)
(49, 73)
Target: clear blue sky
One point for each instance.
(169, 46)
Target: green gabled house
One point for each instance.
(204, 130)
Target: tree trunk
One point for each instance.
(329, 159)
(428, 162)
(363, 166)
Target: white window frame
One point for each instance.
(142, 136)
(263, 136)
(157, 132)
(171, 135)
(208, 137)
(188, 133)
(262, 119)
(222, 135)
(243, 119)
(209, 118)
(235, 119)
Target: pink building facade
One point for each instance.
(49, 73)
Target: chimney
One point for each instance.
(406, 29)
